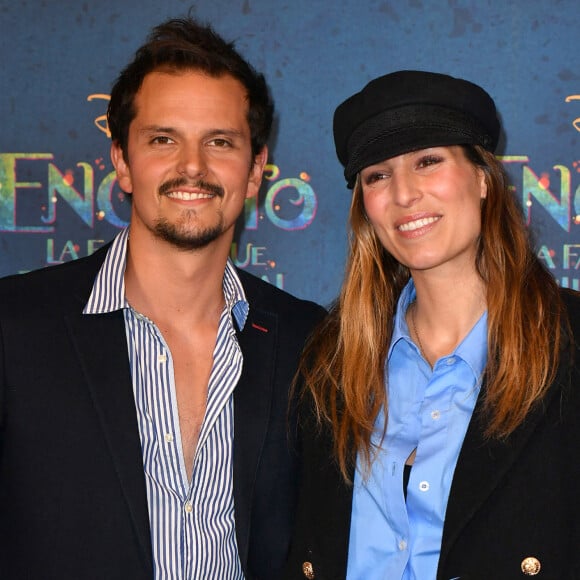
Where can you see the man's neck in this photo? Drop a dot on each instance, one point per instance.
(166, 283)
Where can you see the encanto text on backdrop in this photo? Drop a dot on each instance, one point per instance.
(89, 192)
(59, 199)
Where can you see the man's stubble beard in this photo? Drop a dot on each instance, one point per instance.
(187, 238)
(181, 235)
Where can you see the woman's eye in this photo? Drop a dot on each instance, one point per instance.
(429, 160)
(374, 177)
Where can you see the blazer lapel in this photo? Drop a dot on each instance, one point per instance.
(102, 350)
(252, 400)
(482, 464)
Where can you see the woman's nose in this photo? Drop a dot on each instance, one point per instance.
(405, 188)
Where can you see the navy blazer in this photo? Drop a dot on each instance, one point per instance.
(73, 504)
(510, 500)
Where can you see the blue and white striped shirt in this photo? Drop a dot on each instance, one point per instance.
(192, 523)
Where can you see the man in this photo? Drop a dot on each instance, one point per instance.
(144, 390)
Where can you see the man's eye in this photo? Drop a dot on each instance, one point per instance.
(161, 140)
(220, 143)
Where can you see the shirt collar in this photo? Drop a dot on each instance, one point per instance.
(108, 293)
(400, 329)
(472, 349)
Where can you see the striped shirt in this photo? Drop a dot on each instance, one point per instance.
(192, 523)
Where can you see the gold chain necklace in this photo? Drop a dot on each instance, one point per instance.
(416, 332)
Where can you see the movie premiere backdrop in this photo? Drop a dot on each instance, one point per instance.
(59, 199)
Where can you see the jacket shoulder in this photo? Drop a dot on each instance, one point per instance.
(571, 300)
(264, 295)
(52, 283)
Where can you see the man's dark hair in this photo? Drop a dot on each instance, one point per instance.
(183, 44)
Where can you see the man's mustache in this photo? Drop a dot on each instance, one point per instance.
(205, 186)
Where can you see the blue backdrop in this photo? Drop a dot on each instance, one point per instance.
(58, 197)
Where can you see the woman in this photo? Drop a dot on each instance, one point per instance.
(441, 415)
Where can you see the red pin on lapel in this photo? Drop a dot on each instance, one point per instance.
(260, 328)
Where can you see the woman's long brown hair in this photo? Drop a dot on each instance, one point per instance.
(344, 361)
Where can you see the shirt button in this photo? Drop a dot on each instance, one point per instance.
(424, 486)
(435, 415)
(162, 358)
(402, 545)
(169, 437)
(450, 361)
(188, 507)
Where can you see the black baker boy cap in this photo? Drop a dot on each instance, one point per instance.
(409, 110)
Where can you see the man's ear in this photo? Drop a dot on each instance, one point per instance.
(121, 167)
(256, 172)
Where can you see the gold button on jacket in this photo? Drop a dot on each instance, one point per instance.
(308, 570)
(531, 566)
